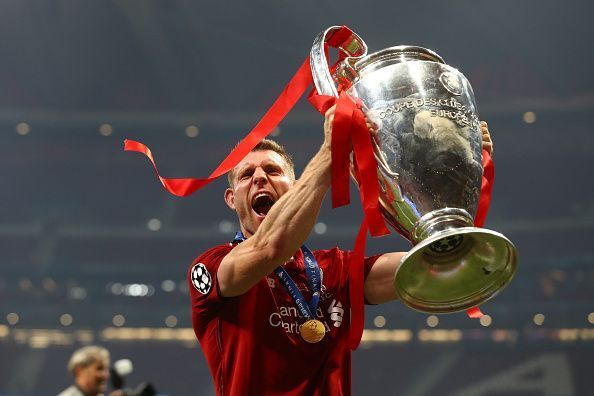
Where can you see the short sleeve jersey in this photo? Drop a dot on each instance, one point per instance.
(252, 342)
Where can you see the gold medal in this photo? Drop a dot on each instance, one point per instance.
(312, 331)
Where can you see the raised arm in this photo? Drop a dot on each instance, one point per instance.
(285, 227)
(486, 137)
(379, 284)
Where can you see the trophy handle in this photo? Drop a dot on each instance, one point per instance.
(341, 37)
(353, 46)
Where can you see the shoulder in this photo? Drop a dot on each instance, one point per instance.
(334, 266)
(213, 254)
(71, 391)
(216, 250)
(203, 279)
(208, 262)
(334, 253)
(334, 258)
(337, 256)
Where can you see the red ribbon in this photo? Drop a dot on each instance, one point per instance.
(284, 103)
(341, 149)
(349, 131)
(483, 208)
(356, 288)
(279, 109)
(474, 313)
(369, 184)
(486, 187)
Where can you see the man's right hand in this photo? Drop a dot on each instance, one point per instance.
(371, 125)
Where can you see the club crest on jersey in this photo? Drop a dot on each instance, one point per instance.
(201, 278)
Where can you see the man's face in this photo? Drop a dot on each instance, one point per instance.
(92, 379)
(259, 180)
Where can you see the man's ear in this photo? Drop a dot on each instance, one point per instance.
(230, 198)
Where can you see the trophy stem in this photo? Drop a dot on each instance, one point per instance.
(440, 220)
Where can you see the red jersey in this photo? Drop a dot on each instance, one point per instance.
(252, 342)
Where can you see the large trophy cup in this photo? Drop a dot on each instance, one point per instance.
(428, 151)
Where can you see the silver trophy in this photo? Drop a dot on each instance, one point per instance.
(429, 154)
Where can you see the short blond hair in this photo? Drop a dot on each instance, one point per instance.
(86, 356)
(269, 144)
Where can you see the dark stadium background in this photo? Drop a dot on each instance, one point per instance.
(93, 250)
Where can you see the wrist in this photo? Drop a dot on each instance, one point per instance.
(325, 148)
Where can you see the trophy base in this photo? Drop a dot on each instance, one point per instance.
(455, 269)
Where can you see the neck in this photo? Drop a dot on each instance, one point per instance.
(84, 391)
(245, 232)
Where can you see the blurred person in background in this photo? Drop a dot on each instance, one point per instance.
(90, 368)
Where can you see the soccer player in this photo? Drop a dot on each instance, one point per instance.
(271, 316)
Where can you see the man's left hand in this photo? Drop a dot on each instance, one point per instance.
(487, 142)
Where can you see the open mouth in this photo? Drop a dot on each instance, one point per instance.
(261, 203)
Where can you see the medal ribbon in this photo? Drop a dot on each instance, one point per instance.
(312, 272)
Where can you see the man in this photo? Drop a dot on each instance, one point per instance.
(251, 297)
(90, 368)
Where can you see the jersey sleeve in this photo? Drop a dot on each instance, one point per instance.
(368, 263)
(202, 280)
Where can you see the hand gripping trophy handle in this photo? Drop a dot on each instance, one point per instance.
(428, 150)
(354, 48)
(349, 43)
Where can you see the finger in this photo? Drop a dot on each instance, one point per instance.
(488, 147)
